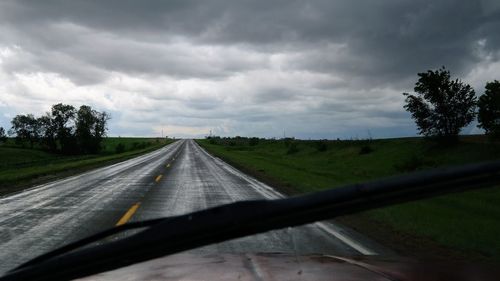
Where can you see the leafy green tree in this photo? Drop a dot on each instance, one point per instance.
(91, 127)
(441, 107)
(101, 125)
(85, 123)
(63, 118)
(3, 137)
(48, 132)
(26, 128)
(63, 128)
(489, 109)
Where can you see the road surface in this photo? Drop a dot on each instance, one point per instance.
(176, 179)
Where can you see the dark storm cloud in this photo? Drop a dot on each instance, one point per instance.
(249, 61)
(383, 40)
(79, 53)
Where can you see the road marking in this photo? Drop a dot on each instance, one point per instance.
(128, 214)
(158, 178)
(270, 193)
(168, 165)
(344, 238)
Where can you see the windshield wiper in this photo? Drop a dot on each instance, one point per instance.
(91, 239)
(175, 234)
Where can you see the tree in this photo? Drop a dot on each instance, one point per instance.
(48, 132)
(90, 129)
(101, 126)
(63, 128)
(441, 107)
(85, 123)
(489, 109)
(26, 128)
(3, 137)
(63, 118)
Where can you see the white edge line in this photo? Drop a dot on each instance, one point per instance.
(353, 244)
(321, 225)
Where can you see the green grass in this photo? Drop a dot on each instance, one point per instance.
(109, 144)
(20, 167)
(468, 221)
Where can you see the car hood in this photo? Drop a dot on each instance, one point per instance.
(278, 266)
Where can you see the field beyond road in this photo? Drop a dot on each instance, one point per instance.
(21, 167)
(458, 226)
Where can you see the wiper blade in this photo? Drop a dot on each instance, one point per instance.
(176, 234)
(91, 239)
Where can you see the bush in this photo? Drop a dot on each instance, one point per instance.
(253, 141)
(3, 137)
(365, 149)
(140, 145)
(120, 148)
(214, 139)
(415, 162)
(288, 141)
(321, 146)
(292, 148)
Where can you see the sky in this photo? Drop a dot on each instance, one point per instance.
(305, 69)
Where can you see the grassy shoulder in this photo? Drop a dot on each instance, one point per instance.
(21, 167)
(455, 225)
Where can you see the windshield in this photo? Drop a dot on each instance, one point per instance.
(120, 112)
(195, 180)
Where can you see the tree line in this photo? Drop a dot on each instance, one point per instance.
(442, 107)
(64, 129)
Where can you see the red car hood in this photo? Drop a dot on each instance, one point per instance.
(277, 266)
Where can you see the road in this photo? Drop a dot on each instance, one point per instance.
(176, 179)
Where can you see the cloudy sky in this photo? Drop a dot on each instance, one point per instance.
(316, 69)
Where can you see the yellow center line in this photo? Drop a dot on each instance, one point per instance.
(128, 214)
(158, 178)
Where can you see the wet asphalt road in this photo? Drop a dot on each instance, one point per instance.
(176, 179)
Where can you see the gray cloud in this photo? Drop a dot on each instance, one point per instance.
(242, 66)
(389, 39)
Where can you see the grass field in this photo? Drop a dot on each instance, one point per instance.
(467, 222)
(21, 167)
